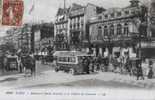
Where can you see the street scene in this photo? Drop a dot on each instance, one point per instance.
(86, 45)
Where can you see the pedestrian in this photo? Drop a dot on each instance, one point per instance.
(33, 72)
(150, 73)
(115, 63)
(139, 72)
(19, 62)
(86, 65)
(91, 64)
(2, 65)
(99, 61)
(29, 64)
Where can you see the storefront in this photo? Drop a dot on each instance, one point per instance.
(148, 50)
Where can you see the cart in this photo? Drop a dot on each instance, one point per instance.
(134, 62)
(12, 63)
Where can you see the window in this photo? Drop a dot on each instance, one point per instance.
(112, 15)
(78, 25)
(133, 12)
(105, 31)
(72, 59)
(119, 14)
(71, 26)
(126, 29)
(106, 16)
(100, 17)
(119, 29)
(99, 36)
(112, 30)
(127, 12)
(74, 26)
(78, 19)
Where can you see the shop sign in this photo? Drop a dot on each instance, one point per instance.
(148, 44)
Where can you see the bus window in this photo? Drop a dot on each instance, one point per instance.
(65, 59)
(72, 59)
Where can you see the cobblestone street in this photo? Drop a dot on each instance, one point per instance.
(46, 77)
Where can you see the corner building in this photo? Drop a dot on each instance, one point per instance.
(72, 23)
(112, 30)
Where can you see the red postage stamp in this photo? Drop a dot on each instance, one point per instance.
(12, 12)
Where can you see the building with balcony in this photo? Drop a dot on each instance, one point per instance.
(111, 31)
(61, 26)
(72, 23)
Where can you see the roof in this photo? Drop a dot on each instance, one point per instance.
(62, 11)
(133, 3)
(112, 10)
(70, 53)
(76, 6)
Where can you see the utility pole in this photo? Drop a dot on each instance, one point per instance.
(64, 4)
(148, 20)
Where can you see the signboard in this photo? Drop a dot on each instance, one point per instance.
(148, 45)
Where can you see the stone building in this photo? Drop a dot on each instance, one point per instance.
(78, 19)
(61, 26)
(72, 23)
(112, 30)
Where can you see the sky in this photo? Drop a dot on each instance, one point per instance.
(45, 10)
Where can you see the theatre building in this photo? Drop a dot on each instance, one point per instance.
(111, 31)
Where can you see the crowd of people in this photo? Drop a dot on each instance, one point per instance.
(133, 67)
(22, 62)
(123, 65)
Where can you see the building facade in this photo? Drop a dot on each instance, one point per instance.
(61, 31)
(112, 30)
(73, 25)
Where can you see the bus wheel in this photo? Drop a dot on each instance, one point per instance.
(56, 69)
(72, 71)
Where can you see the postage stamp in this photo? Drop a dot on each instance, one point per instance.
(12, 12)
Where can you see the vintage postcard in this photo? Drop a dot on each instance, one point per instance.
(81, 49)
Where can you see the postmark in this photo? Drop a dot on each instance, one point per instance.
(12, 12)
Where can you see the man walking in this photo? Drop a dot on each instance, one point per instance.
(139, 72)
(29, 64)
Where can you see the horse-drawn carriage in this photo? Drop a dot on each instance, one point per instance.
(134, 63)
(11, 63)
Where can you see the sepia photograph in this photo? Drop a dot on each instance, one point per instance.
(82, 44)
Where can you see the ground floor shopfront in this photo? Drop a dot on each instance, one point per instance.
(148, 49)
(117, 48)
